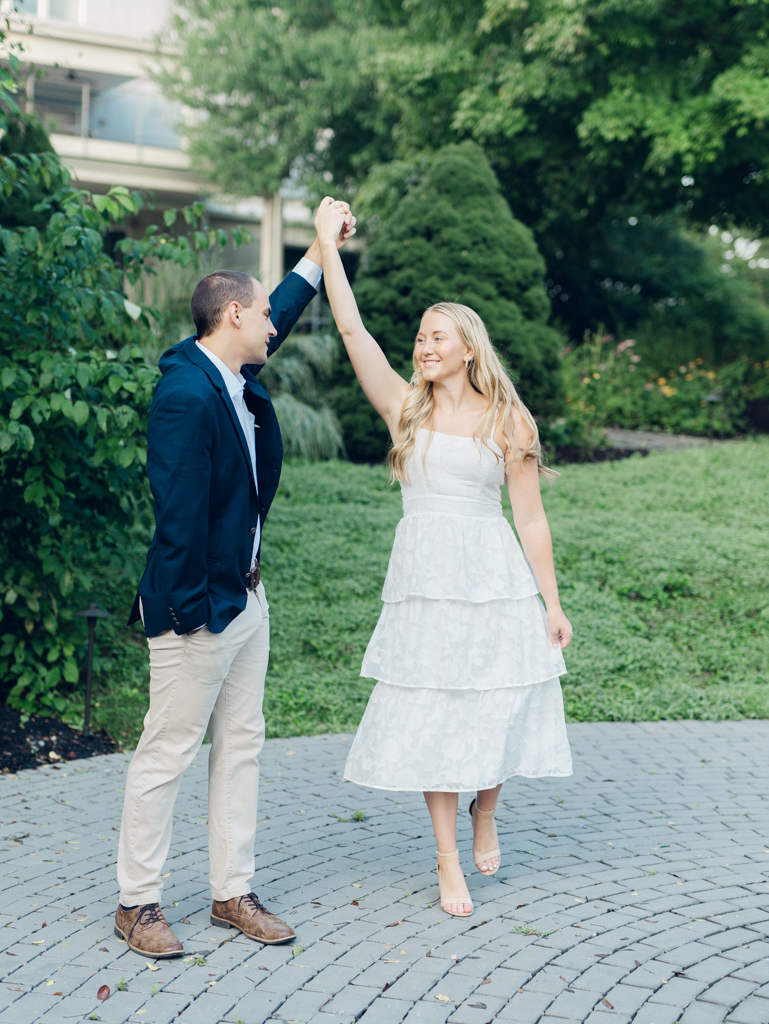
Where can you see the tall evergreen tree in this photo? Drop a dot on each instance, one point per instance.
(453, 237)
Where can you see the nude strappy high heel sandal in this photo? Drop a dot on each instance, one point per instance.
(481, 857)
(446, 901)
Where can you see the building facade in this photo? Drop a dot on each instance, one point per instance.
(89, 80)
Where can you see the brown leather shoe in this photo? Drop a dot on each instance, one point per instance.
(146, 931)
(254, 920)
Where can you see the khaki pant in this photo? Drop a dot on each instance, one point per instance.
(210, 682)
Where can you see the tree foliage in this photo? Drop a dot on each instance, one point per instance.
(590, 112)
(75, 391)
(275, 87)
(451, 237)
(680, 294)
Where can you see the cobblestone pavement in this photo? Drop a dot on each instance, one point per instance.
(637, 890)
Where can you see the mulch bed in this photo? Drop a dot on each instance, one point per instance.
(44, 741)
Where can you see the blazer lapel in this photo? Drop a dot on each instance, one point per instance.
(257, 399)
(194, 354)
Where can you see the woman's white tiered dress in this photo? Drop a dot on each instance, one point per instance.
(468, 691)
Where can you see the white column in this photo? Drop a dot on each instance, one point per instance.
(271, 243)
(85, 110)
(138, 127)
(30, 106)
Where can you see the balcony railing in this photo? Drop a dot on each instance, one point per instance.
(105, 107)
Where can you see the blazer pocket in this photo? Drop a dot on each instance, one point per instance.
(213, 565)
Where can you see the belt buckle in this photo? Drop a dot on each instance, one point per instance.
(254, 576)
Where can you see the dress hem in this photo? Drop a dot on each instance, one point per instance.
(463, 789)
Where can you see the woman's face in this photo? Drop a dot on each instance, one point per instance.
(439, 348)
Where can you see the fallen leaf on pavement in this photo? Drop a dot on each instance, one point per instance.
(444, 999)
(607, 1003)
(151, 967)
(393, 924)
(103, 993)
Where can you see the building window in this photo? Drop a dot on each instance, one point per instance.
(57, 10)
(64, 10)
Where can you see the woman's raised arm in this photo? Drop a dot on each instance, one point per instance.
(384, 388)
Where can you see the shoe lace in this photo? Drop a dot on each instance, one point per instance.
(150, 914)
(253, 902)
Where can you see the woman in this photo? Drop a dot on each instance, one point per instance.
(466, 661)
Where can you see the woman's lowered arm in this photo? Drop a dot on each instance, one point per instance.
(534, 531)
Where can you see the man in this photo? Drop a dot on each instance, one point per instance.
(214, 460)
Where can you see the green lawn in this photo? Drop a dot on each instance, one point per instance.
(664, 569)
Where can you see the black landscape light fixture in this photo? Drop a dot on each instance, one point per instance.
(92, 613)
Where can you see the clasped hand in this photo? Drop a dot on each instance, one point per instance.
(334, 221)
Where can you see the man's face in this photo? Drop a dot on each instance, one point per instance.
(256, 327)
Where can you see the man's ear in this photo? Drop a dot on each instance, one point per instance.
(233, 312)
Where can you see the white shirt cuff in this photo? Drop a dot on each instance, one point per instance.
(310, 271)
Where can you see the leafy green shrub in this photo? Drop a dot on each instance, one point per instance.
(680, 294)
(452, 236)
(607, 385)
(75, 390)
(296, 377)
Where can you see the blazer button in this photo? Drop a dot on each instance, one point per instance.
(252, 530)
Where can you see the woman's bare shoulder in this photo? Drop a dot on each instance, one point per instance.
(512, 423)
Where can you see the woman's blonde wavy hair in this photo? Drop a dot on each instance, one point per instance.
(488, 376)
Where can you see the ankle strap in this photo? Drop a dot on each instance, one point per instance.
(454, 853)
(479, 810)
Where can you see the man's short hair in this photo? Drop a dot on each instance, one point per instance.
(213, 295)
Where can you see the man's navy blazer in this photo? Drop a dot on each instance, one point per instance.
(206, 505)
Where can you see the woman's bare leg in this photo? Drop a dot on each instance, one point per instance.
(485, 832)
(443, 812)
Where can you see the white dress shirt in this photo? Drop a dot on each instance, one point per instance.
(310, 271)
(235, 385)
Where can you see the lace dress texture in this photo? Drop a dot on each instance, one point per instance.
(468, 691)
